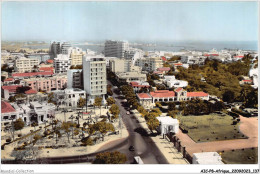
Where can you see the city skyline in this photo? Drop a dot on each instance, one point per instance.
(149, 21)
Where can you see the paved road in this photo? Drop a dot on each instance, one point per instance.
(144, 146)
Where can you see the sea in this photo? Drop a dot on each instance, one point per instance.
(173, 46)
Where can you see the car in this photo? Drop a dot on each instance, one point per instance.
(127, 113)
(131, 148)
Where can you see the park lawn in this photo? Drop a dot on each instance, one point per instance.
(212, 127)
(240, 156)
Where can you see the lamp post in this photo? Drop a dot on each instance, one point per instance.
(64, 111)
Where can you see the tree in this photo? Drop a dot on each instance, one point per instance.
(51, 97)
(110, 101)
(12, 99)
(153, 123)
(114, 109)
(87, 141)
(172, 114)
(36, 138)
(81, 102)
(103, 128)
(3, 78)
(157, 111)
(228, 96)
(66, 127)
(142, 111)
(98, 103)
(18, 124)
(22, 89)
(109, 90)
(110, 158)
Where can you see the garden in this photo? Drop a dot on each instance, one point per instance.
(212, 127)
(240, 156)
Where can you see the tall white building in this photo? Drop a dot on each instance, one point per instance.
(24, 64)
(115, 48)
(94, 77)
(62, 63)
(65, 47)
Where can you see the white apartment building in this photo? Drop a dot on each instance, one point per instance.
(62, 63)
(24, 64)
(115, 48)
(94, 76)
(75, 78)
(119, 65)
(170, 81)
(149, 63)
(76, 55)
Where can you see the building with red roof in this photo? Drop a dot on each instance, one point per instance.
(164, 58)
(197, 95)
(32, 74)
(8, 113)
(145, 100)
(138, 85)
(8, 90)
(164, 69)
(162, 95)
(31, 91)
(46, 69)
(50, 61)
(8, 81)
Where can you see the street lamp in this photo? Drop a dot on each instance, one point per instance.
(64, 111)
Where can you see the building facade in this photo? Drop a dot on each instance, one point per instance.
(119, 65)
(24, 64)
(94, 74)
(62, 63)
(76, 55)
(149, 63)
(47, 84)
(115, 48)
(75, 78)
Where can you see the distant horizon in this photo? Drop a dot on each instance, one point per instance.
(130, 20)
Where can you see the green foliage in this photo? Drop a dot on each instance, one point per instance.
(81, 102)
(157, 111)
(141, 110)
(51, 97)
(174, 58)
(158, 104)
(88, 141)
(152, 123)
(220, 78)
(110, 101)
(110, 158)
(18, 124)
(109, 90)
(114, 109)
(172, 113)
(98, 101)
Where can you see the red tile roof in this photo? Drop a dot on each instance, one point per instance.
(49, 61)
(11, 88)
(238, 56)
(197, 94)
(134, 83)
(144, 95)
(177, 64)
(163, 58)
(46, 69)
(164, 69)
(214, 54)
(6, 107)
(206, 55)
(31, 91)
(162, 93)
(178, 89)
(8, 79)
(247, 80)
(32, 74)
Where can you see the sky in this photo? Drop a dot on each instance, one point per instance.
(133, 21)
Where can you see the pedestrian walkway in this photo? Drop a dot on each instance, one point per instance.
(164, 145)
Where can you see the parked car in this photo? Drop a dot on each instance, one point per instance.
(132, 148)
(127, 113)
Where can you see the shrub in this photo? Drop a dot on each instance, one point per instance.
(8, 140)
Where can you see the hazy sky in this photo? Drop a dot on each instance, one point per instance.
(133, 21)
